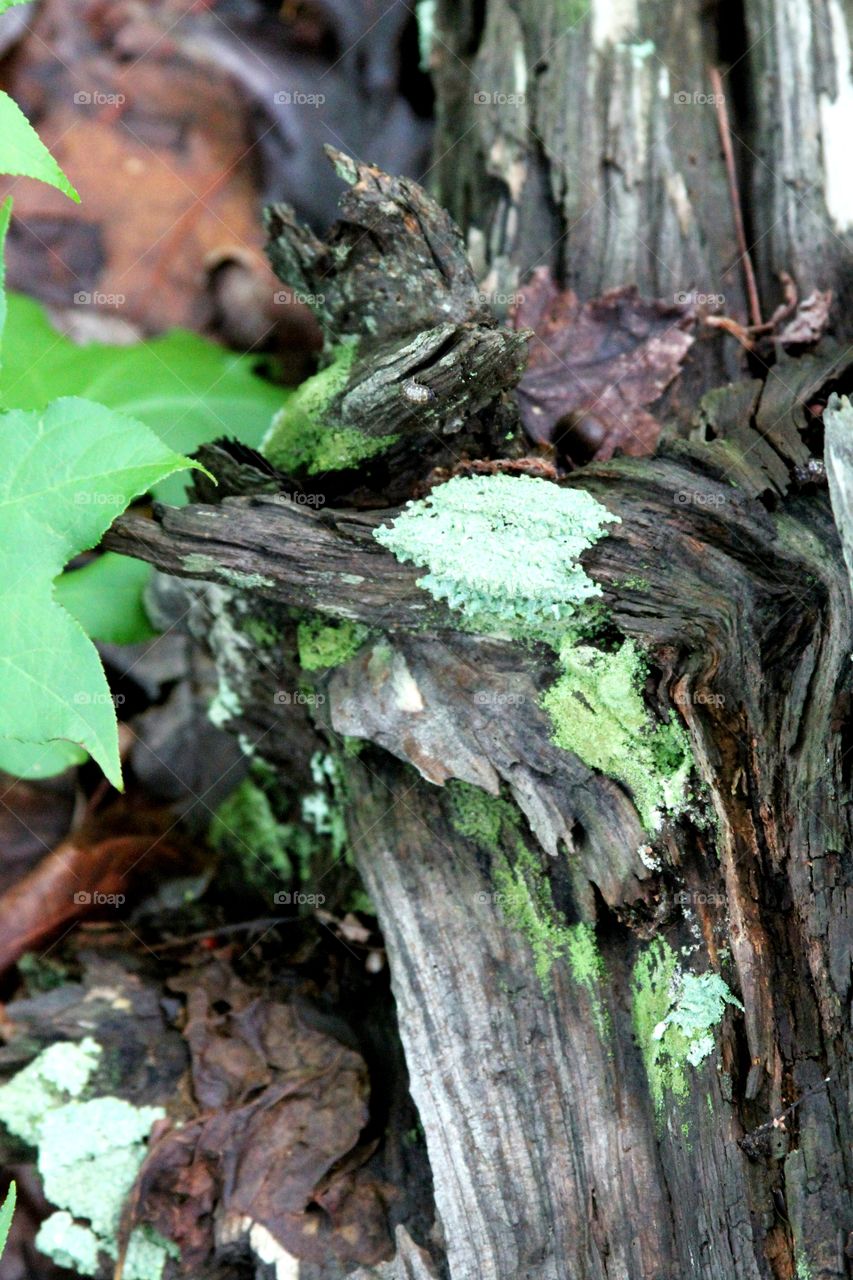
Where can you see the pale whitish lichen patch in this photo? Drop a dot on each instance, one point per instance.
(89, 1153)
(59, 1074)
(675, 1013)
(503, 550)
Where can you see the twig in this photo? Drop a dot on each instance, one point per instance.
(263, 922)
(728, 154)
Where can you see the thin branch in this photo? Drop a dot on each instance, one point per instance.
(728, 154)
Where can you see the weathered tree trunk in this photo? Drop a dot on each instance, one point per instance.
(560, 1149)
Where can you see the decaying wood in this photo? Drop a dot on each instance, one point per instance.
(749, 613)
(549, 1162)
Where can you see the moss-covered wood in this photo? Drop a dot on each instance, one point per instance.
(601, 1016)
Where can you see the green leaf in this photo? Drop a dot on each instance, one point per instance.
(105, 597)
(7, 1209)
(5, 215)
(39, 759)
(65, 474)
(22, 152)
(186, 389)
(10, 4)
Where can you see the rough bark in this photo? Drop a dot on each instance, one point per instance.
(549, 1158)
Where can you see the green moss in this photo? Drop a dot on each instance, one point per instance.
(804, 1271)
(597, 711)
(674, 1015)
(245, 830)
(525, 898)
(523, 892)
(653, 983)
(323, 644)
(585, 960)
(41, 972)
(261, 633)
(302, 439)
(503, 551)
(480, 816)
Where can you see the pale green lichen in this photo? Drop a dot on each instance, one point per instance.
(425, 13)
(503, 551)
(196, 562)
(700, 1002)
(59, 1073)
(597, 711)
(804, 1271)
(89, 1156)
(89, 1153)
(523, 893)
(322, 644)
(301, 439)
(674, 1015)
(69, 1244)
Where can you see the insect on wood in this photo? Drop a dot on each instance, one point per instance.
(417, 393)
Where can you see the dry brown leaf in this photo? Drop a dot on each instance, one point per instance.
(278, 1141)
(90, 873)
(594, 366)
